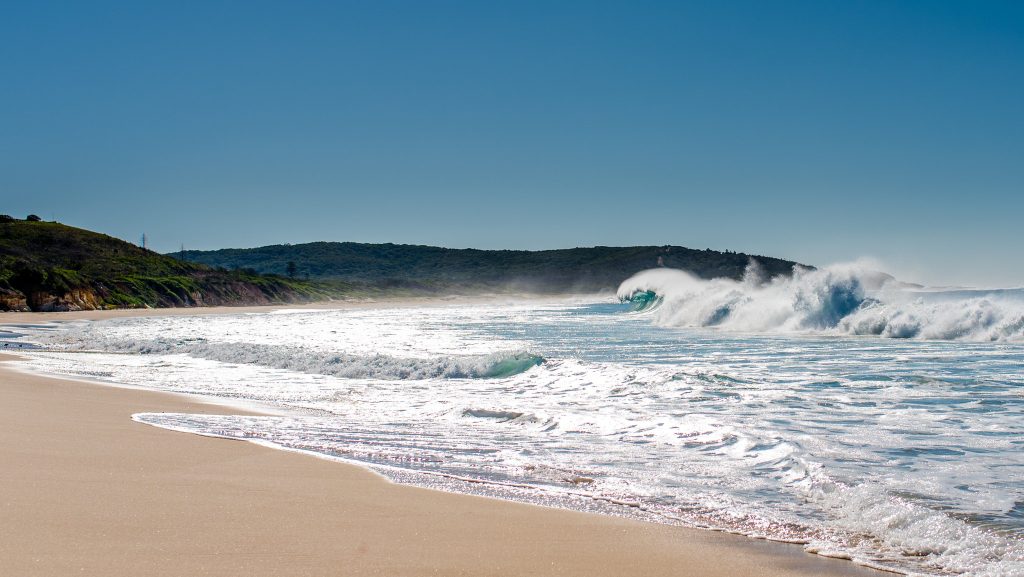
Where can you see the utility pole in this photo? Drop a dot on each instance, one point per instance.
(144, 239)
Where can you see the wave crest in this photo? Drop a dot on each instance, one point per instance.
(342, 365)
(841, 299)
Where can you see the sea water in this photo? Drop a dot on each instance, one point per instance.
(784, 409)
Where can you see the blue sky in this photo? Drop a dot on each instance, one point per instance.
(819, 131)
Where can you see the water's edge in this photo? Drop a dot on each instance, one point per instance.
(511, 492)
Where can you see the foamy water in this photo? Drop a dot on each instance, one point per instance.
(900, 453)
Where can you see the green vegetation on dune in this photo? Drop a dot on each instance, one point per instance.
(414, 268)
(51, 266)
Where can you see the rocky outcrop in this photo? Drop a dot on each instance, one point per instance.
(11, 300)
(73, 300)
(214, 291)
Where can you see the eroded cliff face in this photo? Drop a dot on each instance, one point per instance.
(87, 298)
(13, 301)
(73, 300)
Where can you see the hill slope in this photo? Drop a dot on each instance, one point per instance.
(51, 266)
(432, 268)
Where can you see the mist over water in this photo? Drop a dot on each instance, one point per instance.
(845, 299)
(779, 408)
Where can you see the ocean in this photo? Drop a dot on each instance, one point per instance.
(840, 409)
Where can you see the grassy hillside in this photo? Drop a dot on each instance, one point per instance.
(51, 266)
(433, 268)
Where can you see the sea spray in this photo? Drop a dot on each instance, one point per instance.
(840, 299)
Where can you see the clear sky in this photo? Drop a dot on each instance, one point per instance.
(819, 131)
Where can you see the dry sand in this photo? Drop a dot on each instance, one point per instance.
(84, 490)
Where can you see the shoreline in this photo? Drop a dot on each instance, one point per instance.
(91, 490)
(15, 317)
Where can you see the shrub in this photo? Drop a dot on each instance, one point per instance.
(6, 218)
(33, 218)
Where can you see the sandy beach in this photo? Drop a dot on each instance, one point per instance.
(88, 491)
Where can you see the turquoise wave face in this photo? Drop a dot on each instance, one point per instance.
(512, 366)
(643, 300)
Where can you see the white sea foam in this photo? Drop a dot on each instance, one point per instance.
(908, 529)
(840, 299)
(334, 364)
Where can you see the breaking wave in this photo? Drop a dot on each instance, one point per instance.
(342, 365)
(840, 299)
(644, 300)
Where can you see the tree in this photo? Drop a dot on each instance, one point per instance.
(6, 218)
(291, 269)
(33, 218)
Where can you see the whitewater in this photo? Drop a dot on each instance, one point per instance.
(838, 408)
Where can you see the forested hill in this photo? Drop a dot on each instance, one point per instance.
(432, 268)
(47, 266)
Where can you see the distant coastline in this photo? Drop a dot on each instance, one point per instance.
(431, 269)
(48, 266)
